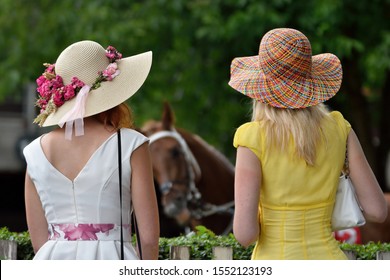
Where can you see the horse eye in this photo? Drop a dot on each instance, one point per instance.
(175, 152)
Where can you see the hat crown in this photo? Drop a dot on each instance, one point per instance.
(285, 53)
(83, 60)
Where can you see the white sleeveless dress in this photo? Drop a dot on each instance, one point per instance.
(84, 214)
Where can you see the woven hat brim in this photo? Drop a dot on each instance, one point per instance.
(133, 73)
(326, 75)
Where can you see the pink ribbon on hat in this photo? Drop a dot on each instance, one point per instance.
(76, 115)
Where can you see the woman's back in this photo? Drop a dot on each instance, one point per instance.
(72, 184)
(70, 157)
(289, 161)
(85, 206)
(297, 199)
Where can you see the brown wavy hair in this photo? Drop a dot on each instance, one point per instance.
(117, 117)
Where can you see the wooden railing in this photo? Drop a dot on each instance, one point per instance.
(8, 251)
(226, 253)
(380, 255)
(183, 253)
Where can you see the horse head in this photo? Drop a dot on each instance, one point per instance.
(174, 166)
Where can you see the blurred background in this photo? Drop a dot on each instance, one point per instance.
(193, 44)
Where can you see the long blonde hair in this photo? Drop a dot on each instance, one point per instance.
(303, 126)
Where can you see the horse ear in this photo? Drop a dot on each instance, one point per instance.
(168, 117)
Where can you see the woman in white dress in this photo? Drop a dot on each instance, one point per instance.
(75, 207)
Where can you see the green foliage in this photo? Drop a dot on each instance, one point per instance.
(193, 44)
(366, 251)
(25, 250)
(201, 244)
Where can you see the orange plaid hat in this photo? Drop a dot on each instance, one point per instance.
(285, 74)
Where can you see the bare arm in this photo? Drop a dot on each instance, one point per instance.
(367, 188)
(246, 195)
(145, 202)
(36, 220)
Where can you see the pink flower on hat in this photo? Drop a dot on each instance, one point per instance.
(58, 98)
(113, 54)
(111, 71)
(41, 103)
(53, 93)
(69, 92)
(76, 83)
(40, 81)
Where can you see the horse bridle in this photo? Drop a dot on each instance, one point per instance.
(193, 196)
(193, 169)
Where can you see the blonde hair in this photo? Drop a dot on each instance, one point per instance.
(303, 126)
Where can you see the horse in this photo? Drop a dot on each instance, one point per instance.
(194, 181)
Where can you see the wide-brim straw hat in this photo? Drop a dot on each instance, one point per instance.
(84, 60)
(285, 74)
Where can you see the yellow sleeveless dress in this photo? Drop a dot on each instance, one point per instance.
(296, 201)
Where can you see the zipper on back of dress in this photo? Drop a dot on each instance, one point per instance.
(74, 202)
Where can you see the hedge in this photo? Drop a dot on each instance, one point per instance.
(200, 242)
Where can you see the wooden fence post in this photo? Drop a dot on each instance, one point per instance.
(350, 254)
(183, 253)
(8, 250)
(179, 253)
(223, 253)
(383, 255)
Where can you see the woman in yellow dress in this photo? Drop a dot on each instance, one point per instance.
(289, 157)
